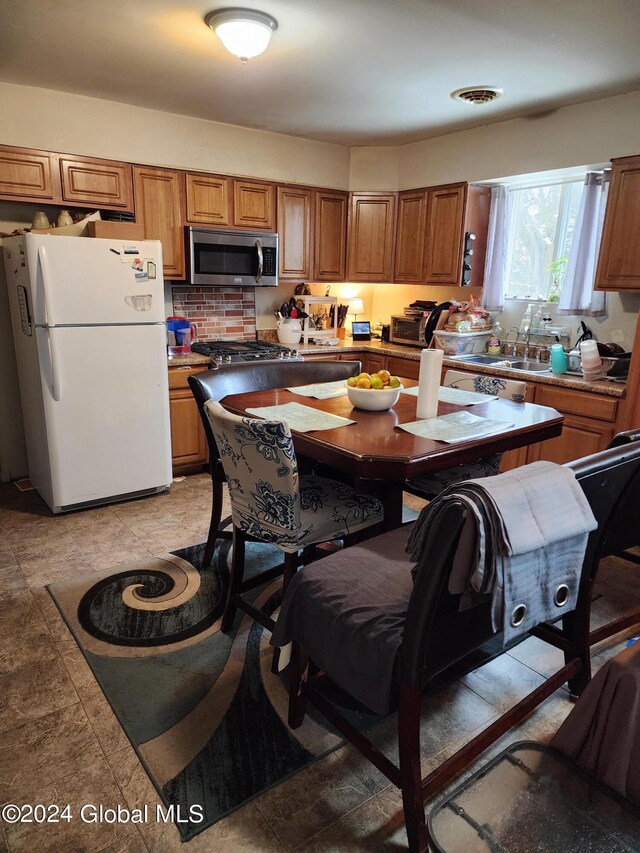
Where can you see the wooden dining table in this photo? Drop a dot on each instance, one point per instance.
(379, 458)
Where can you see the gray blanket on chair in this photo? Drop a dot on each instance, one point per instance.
(525, 541)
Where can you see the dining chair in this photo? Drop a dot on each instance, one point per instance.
(271, 502)
(622, 534)
(241, 378)
(430, 485)
(366, 603)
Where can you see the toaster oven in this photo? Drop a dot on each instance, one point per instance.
(408, 329)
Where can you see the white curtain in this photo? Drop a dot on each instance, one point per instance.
(495, 268)
(578, 296)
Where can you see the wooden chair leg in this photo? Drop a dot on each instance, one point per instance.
(576, 627)
(235, 581)
(297, 670)
(291, 563)
(214, 524)
(410, 774)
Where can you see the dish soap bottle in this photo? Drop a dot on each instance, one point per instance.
(536, 322)
(525, 323)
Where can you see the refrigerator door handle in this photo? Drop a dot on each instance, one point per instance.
(50, 346)
(46, 279)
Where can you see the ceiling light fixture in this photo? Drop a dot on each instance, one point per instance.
(477, 95)
(244, 32)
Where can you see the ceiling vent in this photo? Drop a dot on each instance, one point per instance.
(477, 95)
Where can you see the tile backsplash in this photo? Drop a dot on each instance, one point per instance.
(224, 313)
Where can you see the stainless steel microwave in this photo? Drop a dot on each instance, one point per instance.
(232, 258)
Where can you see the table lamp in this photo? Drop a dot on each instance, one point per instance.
(356, 306)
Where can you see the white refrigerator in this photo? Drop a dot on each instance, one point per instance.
(90, 340)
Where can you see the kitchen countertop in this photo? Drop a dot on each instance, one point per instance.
(610, 389)
(190, 359)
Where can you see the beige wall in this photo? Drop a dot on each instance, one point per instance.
(58, 121)
(374, 169)
(583, 134)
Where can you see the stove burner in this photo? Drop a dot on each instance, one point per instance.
(235, 351)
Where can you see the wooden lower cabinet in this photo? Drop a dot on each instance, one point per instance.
(589, 424)
(189, 451)
(407, 367)
(371, 363)
(580, 437)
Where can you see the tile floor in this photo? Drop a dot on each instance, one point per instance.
(60, 743)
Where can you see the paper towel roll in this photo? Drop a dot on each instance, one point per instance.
(429, 383)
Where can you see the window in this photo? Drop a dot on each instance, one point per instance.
(540, 232)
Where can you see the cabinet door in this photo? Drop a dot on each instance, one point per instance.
(407, 367)
(410, 236)
(29, 175)
(254, 205)
(588, 424)
(371, 228)
(580, 437)
(208, 199)
(372, 363)
(445, 223)
(159, 210)
(294, 229)
(188, 441)
(189, 450)
(330, 236)
(98, 183)
(619, 260)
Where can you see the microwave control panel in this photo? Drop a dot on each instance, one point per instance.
(269, 262)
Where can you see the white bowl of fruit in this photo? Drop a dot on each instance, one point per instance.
(374, 392)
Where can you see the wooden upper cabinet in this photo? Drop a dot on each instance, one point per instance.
(371, 231)
(410, 236)
(159, 209)
(99, 183)
(330, 235)
(28, 174)
(445, 235)
(208, 199)
(295, 206)
(254, 205)
(619, 260)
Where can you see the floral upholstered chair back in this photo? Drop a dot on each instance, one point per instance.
(262, 474)
(510, 389)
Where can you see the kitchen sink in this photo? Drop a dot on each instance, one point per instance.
(530, 365)
(480, 359)
(527, 364)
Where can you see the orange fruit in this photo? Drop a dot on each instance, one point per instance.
(376, 382)
(385, 376)
(363, 382)
(351, 381)
(364, 376)
(394, 382)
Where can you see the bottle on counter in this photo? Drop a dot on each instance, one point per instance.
(536, 321)
(525, 323)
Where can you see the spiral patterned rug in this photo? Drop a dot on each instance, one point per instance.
(187, 695)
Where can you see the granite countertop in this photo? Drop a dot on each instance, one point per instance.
(190, 359)
(610, 389)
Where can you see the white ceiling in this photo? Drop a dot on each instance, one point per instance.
(355, 72)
